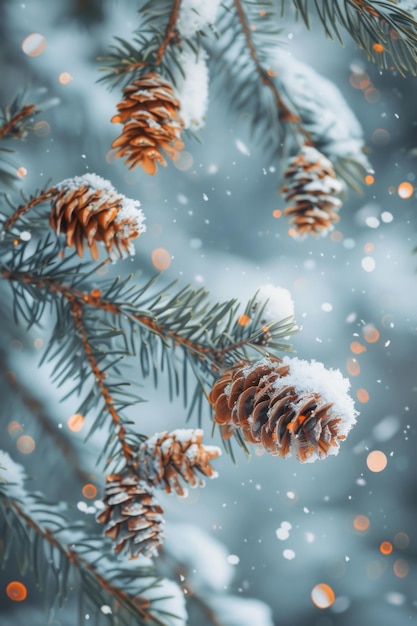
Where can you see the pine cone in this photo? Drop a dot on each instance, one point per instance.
(166, 457)
(132, 515)
(312, 185)
(88, 209)
(151, 123)
(284, 406)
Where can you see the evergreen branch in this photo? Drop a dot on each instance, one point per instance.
(215, 352)
(43, 196)
(170, 32)
(285, 114)
(14, 124)
(99, 376)
(383, 29)
(149, 48)
(39, 413)
(23, 523)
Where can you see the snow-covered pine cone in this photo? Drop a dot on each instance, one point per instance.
(166, 457)
(151, 122)
(132, 515)
(311, 188)
(286, 406)
(88, 209)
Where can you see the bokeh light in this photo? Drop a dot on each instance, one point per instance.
(76, 422)
(184, 160)
(401, 540)
(89, 491)
(243, 320)
(65, 78)
(376, 461)
(322, 596)
(34, 44)
(362, 395)
(42, 128)
(357, 347)
(401, 568)
(277, 213)
(405, 190)
(16, 591)
(381, 137)
(370, 333)
(14, 428)
(25, 444)
(21, 172)
(361, 523)
(353, 367)
(385, 547)
(161, 258)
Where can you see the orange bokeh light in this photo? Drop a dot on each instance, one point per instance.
(65, 78)
(34, 44)
(353, 367)
(76, 422)
(276, 213)
(243, 320)
(362, 395)
(89, 491)
(369, 247)
(357, 347)
(359, 80)
(322, 596)
(16, 591)
(376, 461)
(378, 47)
(21, 172)
(25, 444)
(42, 128)
(161, 258)
(370, 333)
(14, 428)
(369, 179)
(361, 523)
(405, 190)
(385, 547)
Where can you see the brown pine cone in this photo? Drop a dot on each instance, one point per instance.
(132, 515)
(151, 122)
(311, 188)
(166, 457)
(88, 209)
(285, 406)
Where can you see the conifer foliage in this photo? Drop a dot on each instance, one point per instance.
(227, 360)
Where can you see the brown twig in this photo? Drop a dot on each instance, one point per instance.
(81, 298)
(77, 311)
(38, 411)
(12, 124)
(170, 32)
(140, 603)
(285, 113)
(43, 196)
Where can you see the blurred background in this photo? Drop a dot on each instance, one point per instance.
(348, 522)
